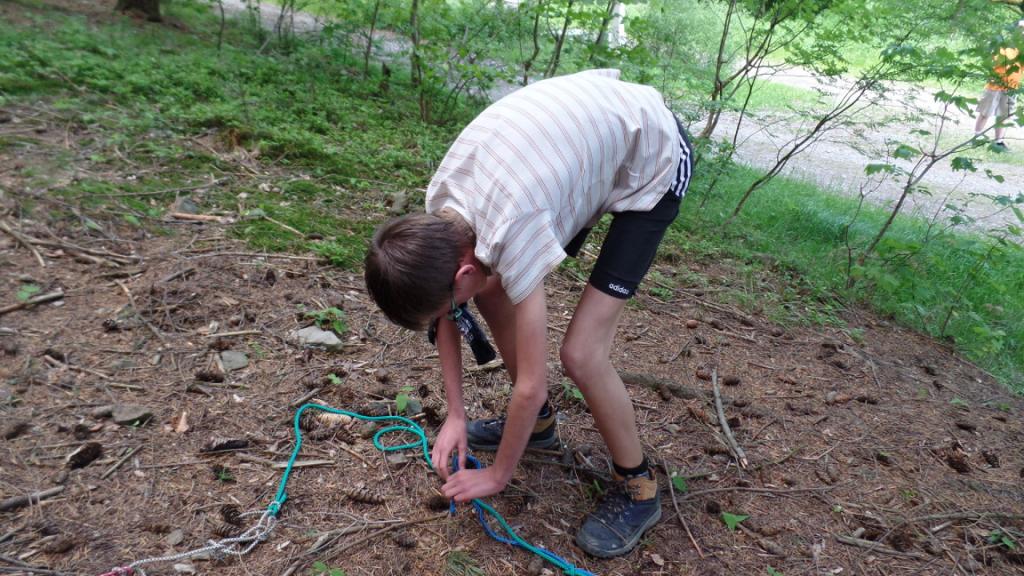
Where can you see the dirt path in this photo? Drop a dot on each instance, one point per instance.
(837, 161)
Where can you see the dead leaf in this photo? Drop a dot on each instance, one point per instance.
(182, 426)
(658, 560)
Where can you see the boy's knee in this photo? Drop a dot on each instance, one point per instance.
(578, 362)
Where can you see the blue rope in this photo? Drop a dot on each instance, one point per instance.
(483, 510)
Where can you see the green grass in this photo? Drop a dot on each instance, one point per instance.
(977, 283)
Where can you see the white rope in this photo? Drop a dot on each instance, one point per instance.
(235, 546)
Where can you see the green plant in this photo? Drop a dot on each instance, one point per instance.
(402, 398)
(679, 482)
(571, 391)
(321, 568)
(733, 520)
(334, 379)
(773, 572)
(959, 403)
(1002, 538)
(26, 291)
(460, 563)
(331, 318)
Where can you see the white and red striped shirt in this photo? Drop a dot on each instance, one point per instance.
(542, 163)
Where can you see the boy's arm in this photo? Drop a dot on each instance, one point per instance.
(452, 437)
(528, 395)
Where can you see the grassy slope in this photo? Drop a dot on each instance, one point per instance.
(333, 147)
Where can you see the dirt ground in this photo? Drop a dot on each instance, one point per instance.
(892, 439)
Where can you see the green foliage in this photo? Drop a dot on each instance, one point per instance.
(572, 392)
(402, 398)
(679, 483)
(329, 318)
(733, 520)
(321, 568)
(460, 563)
(26, 291)
(334, 379)
(1002, 538)
(773, 572)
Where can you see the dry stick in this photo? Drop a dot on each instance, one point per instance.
(256, 255)
(781, 491)
(17, 566)
(16, 502)
(355, 454)
(120, 463)
(741, 456)
(135, 308)
(198, 217)
(872, 546)
(58, 364)
(679, 514)
(285, 226)
(304, 398)
(235, 333)
(42, 298)
(25, 242)
(294, 566)
(177, 275)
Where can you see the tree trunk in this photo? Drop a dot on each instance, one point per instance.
(557, 57)
(150, 8)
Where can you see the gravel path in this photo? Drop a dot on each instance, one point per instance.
(837, 161)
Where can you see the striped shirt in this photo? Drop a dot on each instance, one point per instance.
(546, 161)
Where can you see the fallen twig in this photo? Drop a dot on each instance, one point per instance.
(741, 456)
(679, 514)
(25, 241)
(178, 274)
(58, 364)
(781, 491)
(42, 298)
(198, 217)
(872, 546)
(120, 462)
(235, 333)
(17, 566)
(316, 550)
(16, 502)
(304, 398)
(135, 309)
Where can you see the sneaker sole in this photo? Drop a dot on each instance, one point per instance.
(626, 546)
(542, 445)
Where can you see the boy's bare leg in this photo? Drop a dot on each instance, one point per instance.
(585, 356)
(500, 315)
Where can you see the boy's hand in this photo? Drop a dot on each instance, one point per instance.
(466, 485)
(451, 438)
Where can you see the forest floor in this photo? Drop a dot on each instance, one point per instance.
(152, 399)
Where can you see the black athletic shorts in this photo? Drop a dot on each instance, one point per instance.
(633, 237)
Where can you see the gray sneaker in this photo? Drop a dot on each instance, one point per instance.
(628, 510)
(485, 435)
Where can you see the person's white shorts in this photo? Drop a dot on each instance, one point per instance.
(996, 103)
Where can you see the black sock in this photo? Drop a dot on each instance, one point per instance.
(640, 470)
(545, 410)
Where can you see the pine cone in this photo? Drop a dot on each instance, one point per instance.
(364, 495)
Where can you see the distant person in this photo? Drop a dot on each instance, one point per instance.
(999, 99)
(518, 192)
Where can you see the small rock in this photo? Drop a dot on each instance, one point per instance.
(692, 324)
(313, 337)
(233, 360)
(413, 407)
(175, 537)
(186, 205)
(131, 414)
(776, 332)
(400, 458)
(367, 430)
(185, 568)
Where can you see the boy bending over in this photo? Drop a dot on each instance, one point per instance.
(517, 192)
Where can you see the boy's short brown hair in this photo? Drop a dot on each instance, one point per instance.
(411, 266)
